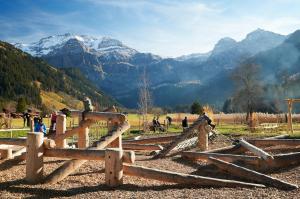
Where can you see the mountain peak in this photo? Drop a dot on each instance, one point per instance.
(52, 43)
(224, 44)
(261, 34)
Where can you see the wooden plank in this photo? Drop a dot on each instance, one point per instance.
(13, 141)
(257, 151)
(236, 149)
(251, 175)
(85, 154)
(142, 147)
(227, 157)
(285, 160)
(180, 178)
(272, 142)
(155, 140)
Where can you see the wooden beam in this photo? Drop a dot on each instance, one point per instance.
(236, 149)
(34, 157)
(105, 116)
(180, 178)
(113, 167)
(142, 147)
(155, 140)
(13, 141)
(202, 138)
(83, 138)
(272, 142)
(70, 166)
(61, 129)
(285, 160)
(257, 151)
(251, 175)
(226, 157)
(278, 137)
(85, 154)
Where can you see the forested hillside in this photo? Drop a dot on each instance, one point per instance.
(22, 75)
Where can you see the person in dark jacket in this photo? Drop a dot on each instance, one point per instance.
(184, 123)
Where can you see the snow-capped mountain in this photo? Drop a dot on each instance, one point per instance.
(98, 45)
(117, 68)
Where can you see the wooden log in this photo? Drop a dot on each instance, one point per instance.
(60, 129)
(6, 153)
(13, 141)
(251, 175)
(155, 140)
(202, 138)
(236, 149)
(278, 137)
(86, 154)
(34, 157)
(142, 147)
(49, 144)
(257, 151)
(117, 143)
(226, 157)
(71, 165)
(285, 160)
(180, 178)
(105, 116)
(113, 167)
(83, 138)
(20, 154)
(272, 142)
(75, 130)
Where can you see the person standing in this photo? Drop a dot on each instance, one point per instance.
(185, 123)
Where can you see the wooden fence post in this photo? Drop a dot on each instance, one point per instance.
(113, 167)
(202, 138)
(290, 121)
(61, 123)
(34, 157)
(83, 138)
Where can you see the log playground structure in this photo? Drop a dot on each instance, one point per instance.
(244, 160)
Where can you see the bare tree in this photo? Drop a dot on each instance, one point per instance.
(144, 100)
(249, 90)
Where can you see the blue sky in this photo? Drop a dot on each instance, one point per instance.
(165, 27)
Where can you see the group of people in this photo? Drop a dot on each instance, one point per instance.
(156, 125)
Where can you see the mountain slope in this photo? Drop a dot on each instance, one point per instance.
(23, 75)
(116, 68)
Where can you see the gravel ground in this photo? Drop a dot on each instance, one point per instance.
(88, 182)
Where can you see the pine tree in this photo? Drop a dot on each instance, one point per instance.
(21, 105)
(196, 108)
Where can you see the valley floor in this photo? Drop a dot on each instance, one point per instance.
(88, 182)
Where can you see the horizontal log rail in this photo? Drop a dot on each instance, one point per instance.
(155, 140)
(13, 141)
(180, 178)
(142, 147)
(272, 142)
(227, 157)
(86, 154)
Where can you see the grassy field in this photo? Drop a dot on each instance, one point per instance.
(233, 130)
